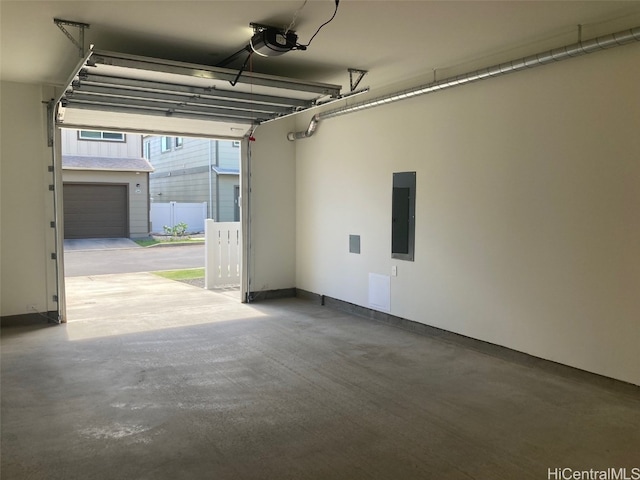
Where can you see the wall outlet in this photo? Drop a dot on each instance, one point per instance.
(394, 271)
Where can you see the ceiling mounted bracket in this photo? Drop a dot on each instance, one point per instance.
(360, 75)
(81, 26)
(580, 33)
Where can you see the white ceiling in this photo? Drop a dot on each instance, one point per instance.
(394, 40)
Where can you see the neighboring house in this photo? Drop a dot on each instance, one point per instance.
(106, 185)
(196, 170)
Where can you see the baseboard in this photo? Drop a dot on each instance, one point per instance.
(271, 294)
(480, 346)
(34, 318)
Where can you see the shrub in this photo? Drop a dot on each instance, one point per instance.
(177, 230)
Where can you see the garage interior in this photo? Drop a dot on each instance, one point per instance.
(502, 345)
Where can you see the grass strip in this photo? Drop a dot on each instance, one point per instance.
(187, 274)
(146, 242)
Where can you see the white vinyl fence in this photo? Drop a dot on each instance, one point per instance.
(173, 213)
(222, 253)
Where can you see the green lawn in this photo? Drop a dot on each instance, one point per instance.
(147, 242)
(187, 274)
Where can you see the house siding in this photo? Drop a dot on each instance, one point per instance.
(227, 204)
(228, 155)
(181, 187)
(72, 145)
(183, 174)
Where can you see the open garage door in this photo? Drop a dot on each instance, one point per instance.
(126, 93)
(114, 91)
(95, 211)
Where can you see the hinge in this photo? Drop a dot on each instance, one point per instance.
(54, 298)
(52, 224)
(52, 188)
(50, 168)
(54, 256)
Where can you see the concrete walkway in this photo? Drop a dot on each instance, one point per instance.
(83, 244)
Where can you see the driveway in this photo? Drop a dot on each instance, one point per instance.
(78, 244)
(115, 283)
(130, 258)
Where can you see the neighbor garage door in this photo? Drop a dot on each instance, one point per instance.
(95, 211)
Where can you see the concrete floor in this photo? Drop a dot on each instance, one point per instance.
(208, 388)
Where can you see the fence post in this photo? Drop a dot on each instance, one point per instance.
(172, 214)
(211, 246)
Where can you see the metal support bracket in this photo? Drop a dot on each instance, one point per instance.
(50, 122)
(81, 26)
(360, 75)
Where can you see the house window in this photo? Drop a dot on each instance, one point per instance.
(103, 136)
(165, 144)
(147, 150)
(179, 142)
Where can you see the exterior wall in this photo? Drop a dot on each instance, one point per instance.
(72, 145)
(27, 274)
(527, 225)
(182, 186)
(138, 194)
(226, 207)
(228, 154)
(183, 173)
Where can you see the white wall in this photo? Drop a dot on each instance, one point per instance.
(527, 216)
(273, 211)
(27, 240)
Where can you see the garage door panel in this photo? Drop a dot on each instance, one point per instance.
(95, 211)
(123, 92)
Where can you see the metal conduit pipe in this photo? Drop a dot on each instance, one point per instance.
(311, 129)
(555, 55)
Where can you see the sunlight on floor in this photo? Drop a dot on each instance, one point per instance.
(123, 304)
